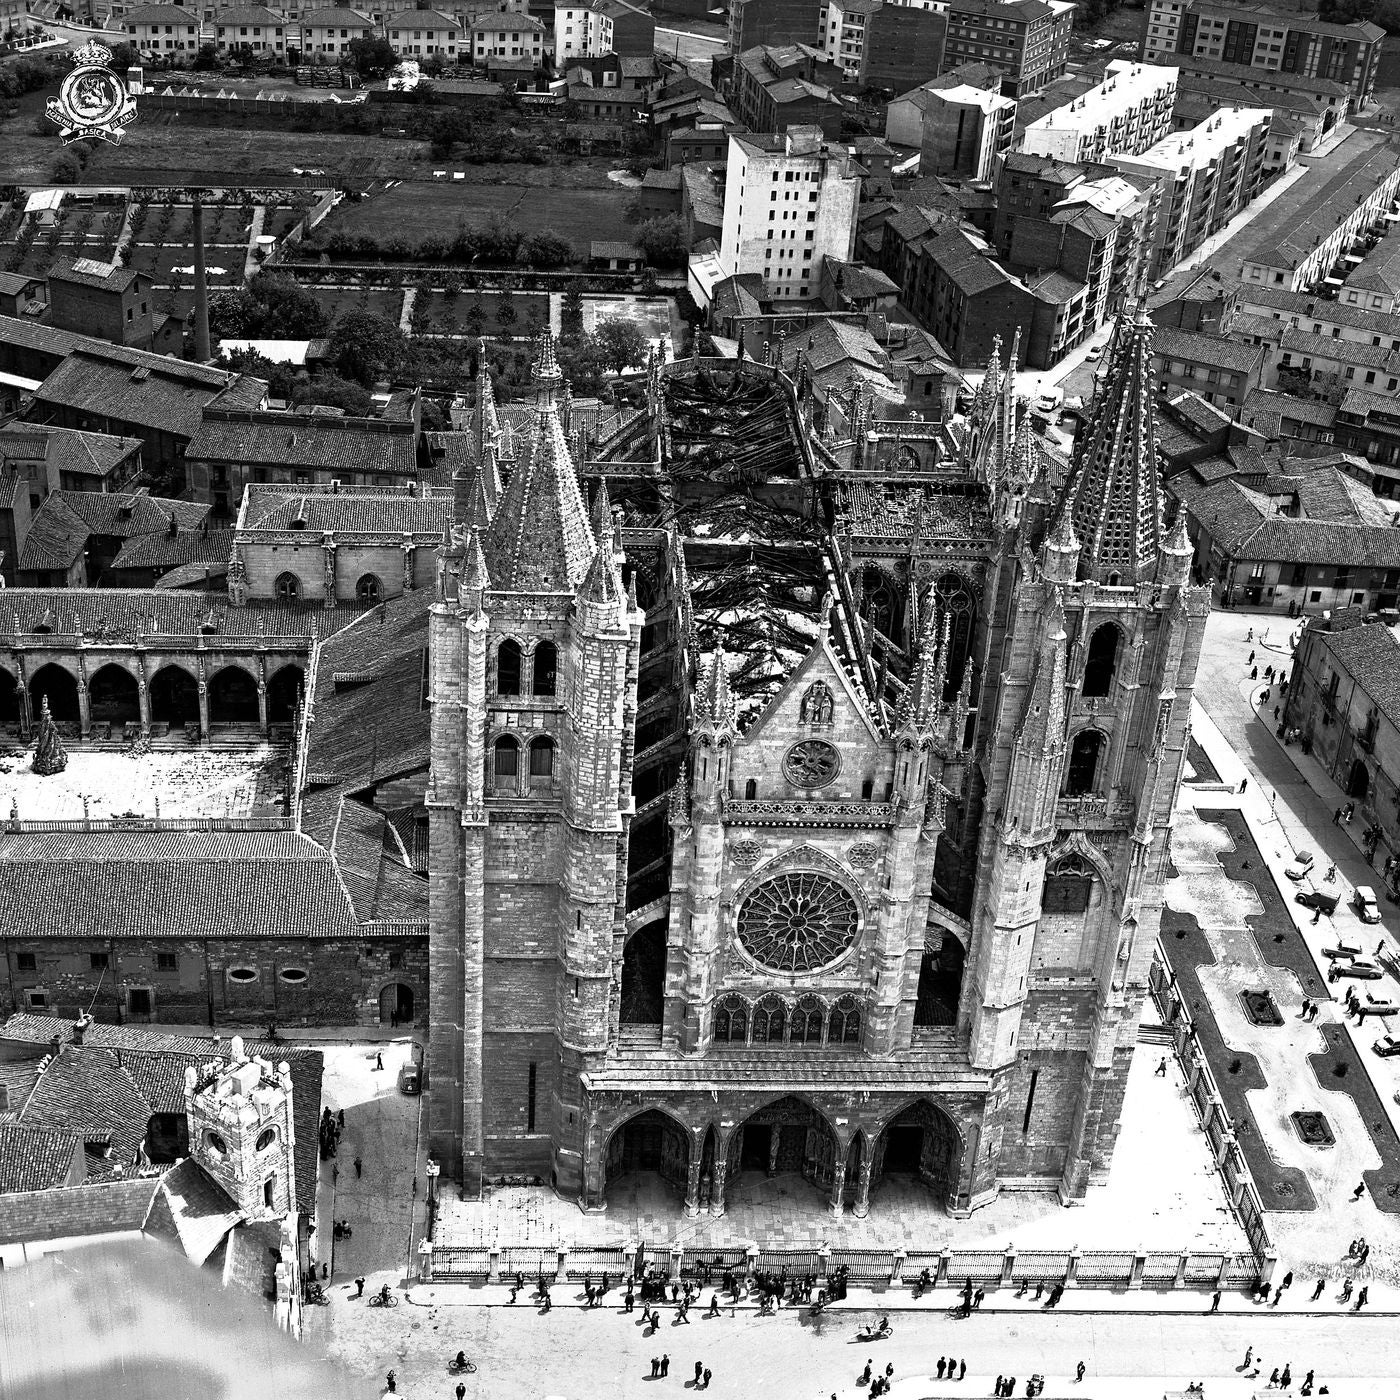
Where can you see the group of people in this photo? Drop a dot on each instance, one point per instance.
(331, 1127)
(878, 1383)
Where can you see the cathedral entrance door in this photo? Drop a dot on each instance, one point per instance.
(757, 1140)
(650, 1142)
(921, 1142)
(396, 1005)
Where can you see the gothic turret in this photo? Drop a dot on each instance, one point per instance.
(485, 421)
(1038, 752)
(1059, 555)
(540, 540)
(1114, 492)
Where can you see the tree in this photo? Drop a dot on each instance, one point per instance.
(448, 128)
(273, 306)
(365, 347)
(334, 392)
(545, 249)
(621, 343)
(475, 317)
(372, 57)
(571, 311)
(506, 313)
(582, 363)
(663, 240)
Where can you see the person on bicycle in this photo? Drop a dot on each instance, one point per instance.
(461, 1362)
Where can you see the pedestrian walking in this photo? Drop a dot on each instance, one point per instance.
(1273, 1378)
(1278, 1293)
(1364, 1253)
(978, 1297)
(340, 1119)
(864, 1377)
(461, 1390)
(1244, 783)
(1317, 916)
(962, 1368)
(655, 1367)
(996, 1389)
(699, 1371)
(1161, 1070)
(1254, 674)
(379, 1059)
(1362, 1298)
(1317, 1291)
(359, 1168)
(1345, 1295)
(1248, 1357)
(1359, 1192)
(714, 1305)
(1286, 1379)
(548, 1301)
(942, 1366)
(391, 1383)
(1250, 662)
(1337, 817)
(1079, 1372)
(705, 1378)
(359, 1288)
(1215, 1301)
(628, 1302)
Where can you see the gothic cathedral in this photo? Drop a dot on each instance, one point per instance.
(800, 785)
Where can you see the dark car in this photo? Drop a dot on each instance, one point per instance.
(411, 1078)
(1318, 899)
(1362, 968)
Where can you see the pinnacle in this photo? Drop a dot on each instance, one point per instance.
(546, 367)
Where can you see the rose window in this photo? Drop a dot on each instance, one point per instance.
(812, 763)
(798, 922)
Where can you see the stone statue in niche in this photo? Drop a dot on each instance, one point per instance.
(818, 704)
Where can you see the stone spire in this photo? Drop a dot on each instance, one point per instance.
(540, 540)
(1038, 753)
(920, 703)
(1114, 493)
(603, 582)
(714, 700)
(487, 421)
(49, 754)
(1008, 398)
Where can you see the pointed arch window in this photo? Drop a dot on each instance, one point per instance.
(1085, 757)
(843, 1027)
(1069, 883)
(769, 1022)
(731, 1026)
(288, 587)
(808, 1018)
(546, 662)
(369, 589)
(1101, 662)
(508, 668)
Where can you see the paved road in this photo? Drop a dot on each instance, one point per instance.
(603, 1355)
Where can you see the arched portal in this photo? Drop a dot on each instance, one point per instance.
(60, 689)
(651, 1142)
(233, 698)
(396, 1005)
(114, 697)
(1101, 661)
(788, 1136)
(284, 694)
(923, 1144)
(9, 697)
(174, 697)
(878, 604)
(940, 985)
(644, 975)
(1358, 780)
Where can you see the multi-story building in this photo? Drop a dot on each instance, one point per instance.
(774, 88)
(249, 29)
(98, 298)
(1296, 128)
(885, 44)
(332, 31)
(170, 31)
(507, 36)
(1223, 372)
(1258, 36)
(776, 947)
(1124, 115)
(1373, 277)
(1026, 41)
(959, 131)
(1208, 175)
(600, 27)
(423, 33)
(1304, 235)
(789, 203)
(754, 23)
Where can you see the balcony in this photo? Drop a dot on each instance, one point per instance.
(804, 811)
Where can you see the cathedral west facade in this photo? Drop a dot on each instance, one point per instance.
(799, 788)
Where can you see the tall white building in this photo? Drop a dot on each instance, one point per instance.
(1127, 113)
(789, 202)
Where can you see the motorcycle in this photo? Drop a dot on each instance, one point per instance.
(460, 1366)
(874, 1334)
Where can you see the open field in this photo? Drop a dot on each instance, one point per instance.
(417, 210)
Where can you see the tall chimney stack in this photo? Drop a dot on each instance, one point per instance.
(202, 352)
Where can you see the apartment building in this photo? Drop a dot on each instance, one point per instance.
(171, 31)
(1208, 174)
(1026, 41)
(422, 33)
(1125, 114)
(250, 29)
(776, 87)
(753, 23)
(886, 44)
(1258, 36)
(789, 203)
(604, 26)
(959, 131)
(1304, 234)
(332, 31)
(507, 36)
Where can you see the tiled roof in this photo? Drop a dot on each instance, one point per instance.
(386, 513)
(125, 613)
(1309, 307)
(166, 395)
(166, 551)
(206, 575)
(336, 16)
(13, 283)
(612, 248)
(306, 440)
(1025, 10)
(82, 272)
(155, 1061)
(201, 884)
(964, 263)
(1264, 404)
(1258, 79)
(196, 1210)
(85, 1091)
(35, 1158)
(1371, 655)
(247, 14)
(56, 537)
(1331, 347)
(160, 14)
(71, 451)
(1171, 343)
(422, 19)
(124, 514)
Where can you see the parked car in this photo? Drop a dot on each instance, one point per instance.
(1299, 866)
(411, 1078)
(1363, 968)
(1095, 352)
(1364, 902)
(1343, 948)
(1387, 1046)
(1320, 899)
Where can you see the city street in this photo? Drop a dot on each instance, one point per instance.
(602, 1354)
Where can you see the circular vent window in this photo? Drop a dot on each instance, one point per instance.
(216, 1143)
(293, 974)
(242, 974)
(265, 1139)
